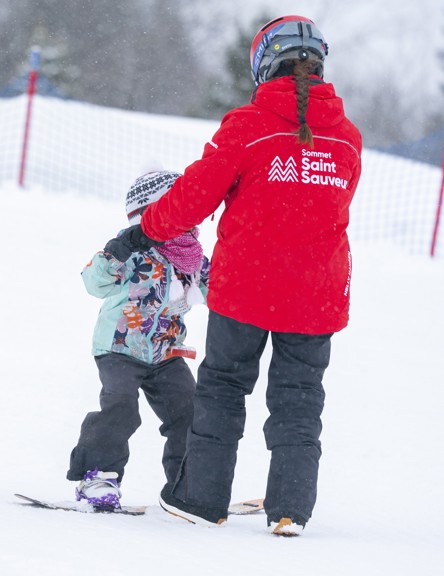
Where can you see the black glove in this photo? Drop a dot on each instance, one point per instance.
(131, 240)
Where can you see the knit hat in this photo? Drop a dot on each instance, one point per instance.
(146, 190)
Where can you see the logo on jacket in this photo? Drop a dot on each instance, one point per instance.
(283, 172)
(316, 168)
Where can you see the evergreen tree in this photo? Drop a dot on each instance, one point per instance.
(236, 87)
(132, 54)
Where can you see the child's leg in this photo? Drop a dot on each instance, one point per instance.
(104, 435)
(169, 389)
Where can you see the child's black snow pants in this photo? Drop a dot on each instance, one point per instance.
(169, 388)
(295, 399)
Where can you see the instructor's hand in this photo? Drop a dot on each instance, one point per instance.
(130, 240)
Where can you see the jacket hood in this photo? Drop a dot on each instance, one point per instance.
(279, 96)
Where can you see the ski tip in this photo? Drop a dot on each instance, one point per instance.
(22, 497)
(246, 506)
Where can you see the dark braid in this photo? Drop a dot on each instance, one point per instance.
(302, 71)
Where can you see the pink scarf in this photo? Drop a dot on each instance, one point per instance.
(184, 252)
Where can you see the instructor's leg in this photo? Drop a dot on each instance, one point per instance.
(295, 399)
(228, 372)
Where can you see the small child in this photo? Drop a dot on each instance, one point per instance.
(138, 343)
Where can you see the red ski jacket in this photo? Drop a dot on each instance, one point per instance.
(282, 260)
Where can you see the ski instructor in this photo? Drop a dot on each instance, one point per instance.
(286, 166)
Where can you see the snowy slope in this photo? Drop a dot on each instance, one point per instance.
(380, 506)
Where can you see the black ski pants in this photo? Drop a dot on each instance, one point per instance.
(295, 399)
(169, 389)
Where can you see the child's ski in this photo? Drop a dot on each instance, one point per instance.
(82, 506)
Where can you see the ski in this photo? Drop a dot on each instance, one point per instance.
(246, 506)
(81, 506)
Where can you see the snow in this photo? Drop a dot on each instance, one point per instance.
(380, 505)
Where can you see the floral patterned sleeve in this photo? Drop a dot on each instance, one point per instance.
(104, 276)
(205, 271)
(204, 277)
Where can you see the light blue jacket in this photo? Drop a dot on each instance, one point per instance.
(137, 317)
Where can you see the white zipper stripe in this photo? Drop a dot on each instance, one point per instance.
(295, 134)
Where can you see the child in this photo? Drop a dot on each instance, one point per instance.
(138, 343)
(287, 166)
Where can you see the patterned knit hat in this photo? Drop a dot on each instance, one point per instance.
(147, 189)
